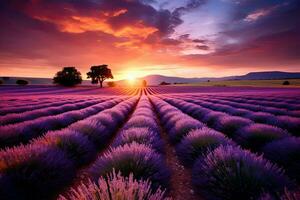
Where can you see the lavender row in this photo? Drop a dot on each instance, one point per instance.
(29, 107)
(288, 106)
(23, 132)
(253, 107)
(134, 155)
(43, 168)
(287, 109)
(53, 110)
(254, 136)
(221, 170)
(292, 99)
(136, 150)
(291, 124)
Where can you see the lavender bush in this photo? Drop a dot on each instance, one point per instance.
(255, 136)
(198, 142)
(76, 146)
(231, 124)
(292, 124)
(285, 153)
(182, 127)
(231, 173)
(34, 172)
(115, 186)
(134, 158)
(141, 136)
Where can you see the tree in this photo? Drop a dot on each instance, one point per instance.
(69, 76)
(144, 83)
(99, 73)
(164, 83)
(286, 83)
(21, 82)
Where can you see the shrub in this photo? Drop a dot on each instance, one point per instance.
(22, 82)
(111, 84)
(286, 83)
(255, 136)
(213, 117)
(34, 172)
(116, 186)
(197, 143)
(286, 153)
(95, 131)
(182, 127)
(262, 117)
(138, 121)
(76, 146)
(288, 195)
(292, 124)
(141, 136)
(231, 124)
(231, 173)
(134, 158)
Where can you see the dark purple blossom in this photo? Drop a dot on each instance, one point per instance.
(285, 153)
(198, 142)
(138, 159)
(231, 173)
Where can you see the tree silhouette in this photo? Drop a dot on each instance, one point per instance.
(69, 76)
(144, 83)
(21, 82)
(99, 73)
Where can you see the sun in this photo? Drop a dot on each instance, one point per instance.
(131, 78)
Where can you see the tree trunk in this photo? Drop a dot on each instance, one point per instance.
(101, 82)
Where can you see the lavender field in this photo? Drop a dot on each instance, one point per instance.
(151, 143)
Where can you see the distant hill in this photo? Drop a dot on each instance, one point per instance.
(32, 81)
(269, 75)
(157, 79)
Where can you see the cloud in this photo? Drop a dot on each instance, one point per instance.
(202, 47)
(125, 33)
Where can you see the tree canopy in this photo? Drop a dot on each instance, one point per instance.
(99, 73)
(22, 82)
(69, 76)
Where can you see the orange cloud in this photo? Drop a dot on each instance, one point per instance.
(81, 24)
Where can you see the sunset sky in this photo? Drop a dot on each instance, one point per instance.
(188, 38)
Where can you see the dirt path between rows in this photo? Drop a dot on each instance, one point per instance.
(181, 178)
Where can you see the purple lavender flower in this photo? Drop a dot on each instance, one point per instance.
(285, 153)
(182, 127)
(141, 136)
(115, 186)
(292, 124)
(213, 117)
(35, 171)
(255, 136)
(231, 173)
(138, 159)
(231, 124)
(198, 142)
(75, 145)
